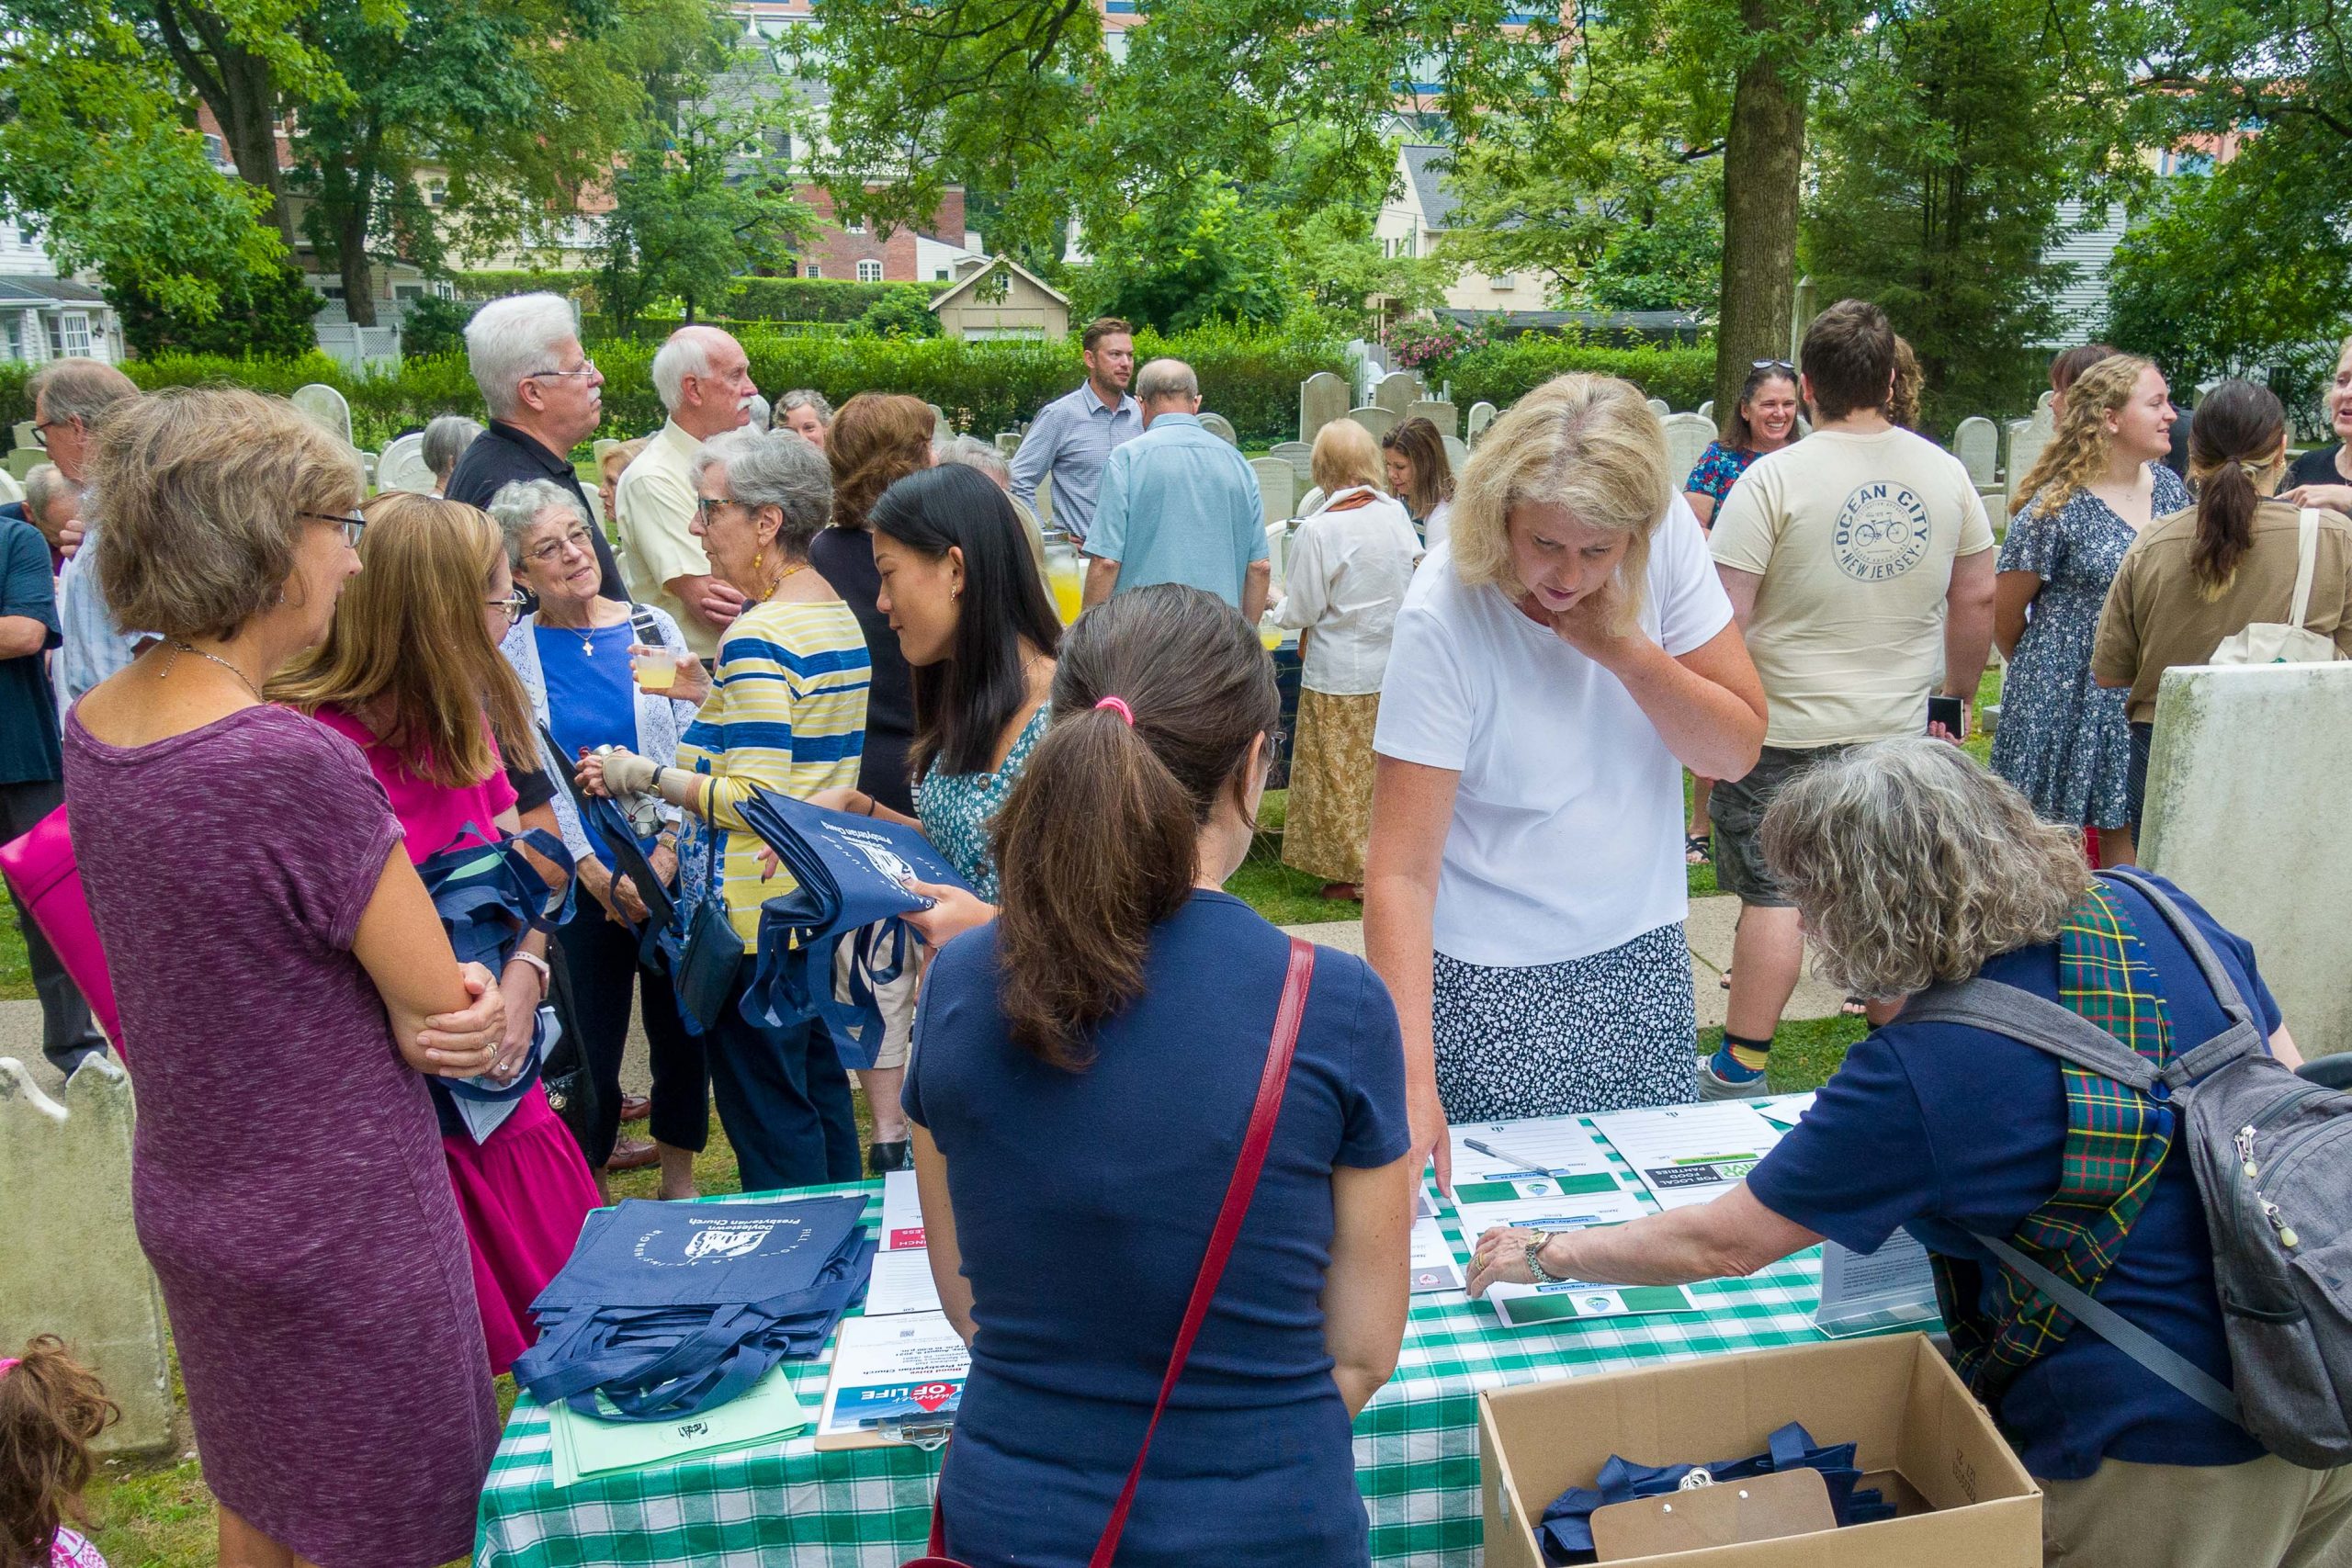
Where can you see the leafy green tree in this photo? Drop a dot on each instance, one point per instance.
(1943, 157)
(265, 314)
(1174, 264)
(902, 312)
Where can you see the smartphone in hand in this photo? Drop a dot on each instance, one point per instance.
(1950, 711)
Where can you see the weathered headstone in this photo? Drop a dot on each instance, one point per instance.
(1445, 416)
(325, 408)
(1322, 398)
(1218, 426)
(2248, 762)
(1687, 435)
(941, 430)
(1300, 456)
(1660, 407)
(70, 1262)
(403, 465)
(2027, 438)
(1377, 419)
(1707, 410)
(1976, 441)
(1457, 451)
(1008, 442)
(1482, 414)
(1396, 392)
(1277, 486)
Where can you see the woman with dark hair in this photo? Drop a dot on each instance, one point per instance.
(1121, 1002)
(2066, 367)
(2193, 579)
(875, 441)
(980, 636)
(1420, 475)
(1763, 419)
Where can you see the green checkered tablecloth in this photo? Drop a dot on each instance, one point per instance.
(1417, 1446)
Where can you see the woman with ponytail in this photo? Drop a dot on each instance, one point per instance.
(1083, 1068)
(2192, 580)
(2099, 482)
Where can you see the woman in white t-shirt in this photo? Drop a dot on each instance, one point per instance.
(1345, 573)
(1553, 668)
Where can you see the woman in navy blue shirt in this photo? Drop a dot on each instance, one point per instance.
(1912, 865)
(1084, 1066)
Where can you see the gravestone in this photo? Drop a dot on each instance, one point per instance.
(1660, 407)
(1482, 414)
(1445, 416)
(1008, 442)
(1687, 436)
(941, 432)
(1277, 486)
(9, 489)
(1301, 459)
(2027, 438)
(325, 408)
(1218, 426)
(70, 1263)
(1377, 419)
(1457, 451)
(1976, 441)
(1707, 410)
(1396, 392)
(1322, 398)
(403, 465)
(2248, 762)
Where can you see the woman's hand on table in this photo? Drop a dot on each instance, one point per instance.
(1500, 1259)
(462, 1045)
(954, 911)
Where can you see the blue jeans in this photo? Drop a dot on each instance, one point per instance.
(783, 1099)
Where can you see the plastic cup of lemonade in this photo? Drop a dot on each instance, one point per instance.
(656, 668)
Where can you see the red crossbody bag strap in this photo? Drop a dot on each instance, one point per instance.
(1237, 1194)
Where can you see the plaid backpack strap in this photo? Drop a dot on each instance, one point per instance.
(2116, 1143)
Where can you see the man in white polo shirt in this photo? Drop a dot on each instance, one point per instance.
(704, 378)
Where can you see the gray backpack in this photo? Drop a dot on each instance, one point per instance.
(2272, 1153)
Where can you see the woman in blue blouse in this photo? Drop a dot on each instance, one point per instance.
(962, 593)
(572, 654)
(1084, 1066)
(1764, 420)
(1913, 865)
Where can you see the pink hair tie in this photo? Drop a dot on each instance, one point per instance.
(1119, 706)
(9, 1364)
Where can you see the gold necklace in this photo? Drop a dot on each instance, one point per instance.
(184, 645)
(777, 586)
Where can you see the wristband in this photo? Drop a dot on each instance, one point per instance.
(547, 975)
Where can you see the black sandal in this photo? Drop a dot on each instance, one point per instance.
(1698, 849)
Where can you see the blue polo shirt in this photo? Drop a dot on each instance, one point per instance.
(28, 748)
(1942, 1130)
(1180, 505)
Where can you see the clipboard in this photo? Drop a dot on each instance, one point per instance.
(628, 856)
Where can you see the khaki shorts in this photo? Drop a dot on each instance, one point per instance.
(897, 998)
(2263, 1514)
(1737, 808)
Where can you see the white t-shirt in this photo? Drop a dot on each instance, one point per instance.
(1567, 838)
(1439, 524)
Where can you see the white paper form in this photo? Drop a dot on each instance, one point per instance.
(901, 1283)
(1520, 1305)
(901, 1213)
(1434, 1266)
(1785, 1109)
(1690, 1154)
(892, 1372)
(1540, 1157)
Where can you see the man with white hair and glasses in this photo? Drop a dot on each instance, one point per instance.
(704, 380)
(545, 398)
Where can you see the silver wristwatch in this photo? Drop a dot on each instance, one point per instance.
(1535, 1260)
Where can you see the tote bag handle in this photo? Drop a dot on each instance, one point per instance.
(1237, 1194)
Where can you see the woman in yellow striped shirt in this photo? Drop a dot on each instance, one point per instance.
(784, 708)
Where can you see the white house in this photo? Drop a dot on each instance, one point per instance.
(43, 319)
(1413, 222)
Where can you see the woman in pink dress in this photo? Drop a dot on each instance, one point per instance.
(411, 674)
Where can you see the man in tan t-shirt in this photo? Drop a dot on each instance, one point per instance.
(704, 380)
(1860, 563)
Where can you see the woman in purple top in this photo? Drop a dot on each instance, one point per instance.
(280, 966)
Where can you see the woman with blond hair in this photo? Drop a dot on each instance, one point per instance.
(1554, 662)
(1347, 570)
(280, 968)
(410, 673)
(2098, 483)
(1916, 869)
(876, 439)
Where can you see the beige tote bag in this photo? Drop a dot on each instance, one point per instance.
(2288, 642)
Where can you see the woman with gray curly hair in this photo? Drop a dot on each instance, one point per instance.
(783, 708)
(575, 654)
(1914, 868)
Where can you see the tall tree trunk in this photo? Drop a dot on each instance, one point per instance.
(1763, 158)
(351, 253)
(241, 89)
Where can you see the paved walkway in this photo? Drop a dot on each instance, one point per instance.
(1709, 933)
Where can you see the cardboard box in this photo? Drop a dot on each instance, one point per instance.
(1962, 1499)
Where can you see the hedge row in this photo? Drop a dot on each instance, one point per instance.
(748, 299)
(1499, 372)
(1250, 378)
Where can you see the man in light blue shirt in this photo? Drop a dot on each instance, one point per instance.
(1178, 504)
(1073, 436)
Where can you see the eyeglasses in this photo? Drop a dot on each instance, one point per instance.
(575, 540)
(1770, 364)
(41, 427)
(587, 367)
(515, 603)
(704, 504)
(351, 526)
